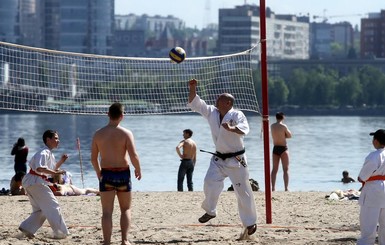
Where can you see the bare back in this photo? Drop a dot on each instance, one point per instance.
(280, 133)
(113, 143)
(189, 149)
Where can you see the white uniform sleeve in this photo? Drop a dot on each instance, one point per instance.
(242, 123)
(39, 160)
(371, 164)
(200, 106)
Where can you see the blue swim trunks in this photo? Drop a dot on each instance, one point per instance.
(115, 179)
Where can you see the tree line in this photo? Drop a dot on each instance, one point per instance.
(321, 87)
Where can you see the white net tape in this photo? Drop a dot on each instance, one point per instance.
(40, 80)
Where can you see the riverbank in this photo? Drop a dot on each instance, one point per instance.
(318, 111)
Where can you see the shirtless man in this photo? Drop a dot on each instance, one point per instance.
(280, 133)
(188, 159)
(112, 148)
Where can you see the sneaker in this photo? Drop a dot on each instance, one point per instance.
(251, 229)
(206, 217)
(26, 233)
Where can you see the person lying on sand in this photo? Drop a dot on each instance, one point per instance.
(71, 190)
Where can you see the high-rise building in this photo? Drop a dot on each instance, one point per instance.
(85, 26)
(77, 26)
(331, 40)
(343, 37)
(30, 33)
(9, 21)
(49, 23)
(239, 30)
(373, 35)
(287, 37)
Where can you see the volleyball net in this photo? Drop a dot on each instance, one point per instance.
(41, 80)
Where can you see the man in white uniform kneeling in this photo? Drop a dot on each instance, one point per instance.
(228, 127)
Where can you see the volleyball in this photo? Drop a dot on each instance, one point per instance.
(177, 54)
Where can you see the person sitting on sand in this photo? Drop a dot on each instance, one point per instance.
(15, 185)
(346, 178)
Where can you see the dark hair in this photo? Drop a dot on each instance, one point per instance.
(345, 173)
(48, 134)
(279, 116)
(188, 131)
(20, 142)
(116, 110)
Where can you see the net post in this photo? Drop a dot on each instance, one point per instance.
(80, 160)
(265, 110)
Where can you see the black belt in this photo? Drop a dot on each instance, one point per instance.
(224, 156)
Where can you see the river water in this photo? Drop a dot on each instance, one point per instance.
(321, 147)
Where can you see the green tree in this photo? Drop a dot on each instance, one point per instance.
(373, 85)
(337, 50)
(349, 90)
(296, 86)
(278, 91)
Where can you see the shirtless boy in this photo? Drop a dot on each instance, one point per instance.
(280, 132)
(188, 159)
(112, 149)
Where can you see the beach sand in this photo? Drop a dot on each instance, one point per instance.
(171, 218)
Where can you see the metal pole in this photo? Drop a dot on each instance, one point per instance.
(265, 110)
(80, 161)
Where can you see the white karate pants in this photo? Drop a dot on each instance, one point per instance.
(44, 206)
(369, 218)
(239, 176)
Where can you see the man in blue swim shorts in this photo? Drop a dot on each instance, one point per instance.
(111, 152)
(280, 132)
(115, 179)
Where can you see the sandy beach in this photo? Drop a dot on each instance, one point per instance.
(171, 218)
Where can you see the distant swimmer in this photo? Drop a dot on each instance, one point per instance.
(346, 178)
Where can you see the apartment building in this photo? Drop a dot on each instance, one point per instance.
(373, 35)
(239, 30)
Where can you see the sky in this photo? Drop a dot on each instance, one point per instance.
(197, 13)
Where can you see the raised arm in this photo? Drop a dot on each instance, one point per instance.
(14, 149)
(63, 158)
(193, 89)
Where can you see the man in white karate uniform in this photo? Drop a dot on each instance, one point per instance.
(372, 198)
(44, 203)
(228, 127)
